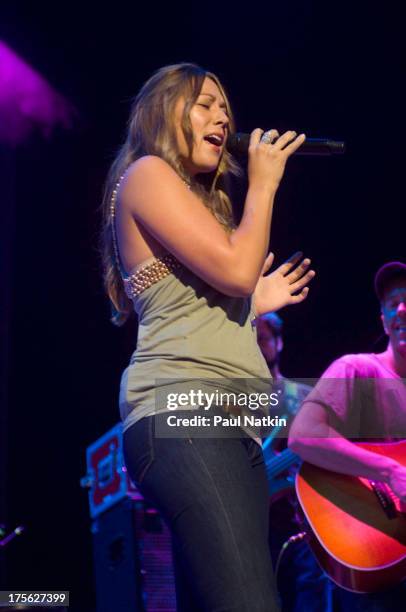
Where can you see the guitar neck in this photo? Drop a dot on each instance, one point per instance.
(279, 463)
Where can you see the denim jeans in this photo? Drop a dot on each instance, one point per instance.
(213, 494)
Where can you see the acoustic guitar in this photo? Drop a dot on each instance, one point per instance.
(358, 526)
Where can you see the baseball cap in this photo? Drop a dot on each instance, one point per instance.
(386, 273)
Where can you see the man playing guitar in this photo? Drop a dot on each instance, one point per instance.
(362, 397)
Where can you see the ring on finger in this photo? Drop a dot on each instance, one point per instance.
(268, 137)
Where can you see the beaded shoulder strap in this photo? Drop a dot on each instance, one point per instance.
(113, 224)
(147, 275)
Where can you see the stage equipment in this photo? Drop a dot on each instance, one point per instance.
(239, 142)
(131, 544)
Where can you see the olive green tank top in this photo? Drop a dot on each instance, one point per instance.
(187, 330)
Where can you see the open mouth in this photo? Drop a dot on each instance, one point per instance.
(214, 139)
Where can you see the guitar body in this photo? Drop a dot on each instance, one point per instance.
(359, 542)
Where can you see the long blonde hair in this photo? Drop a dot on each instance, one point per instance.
(151, 131)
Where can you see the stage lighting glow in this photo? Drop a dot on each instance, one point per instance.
(28, 103)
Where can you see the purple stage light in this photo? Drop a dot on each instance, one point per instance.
(27, 102)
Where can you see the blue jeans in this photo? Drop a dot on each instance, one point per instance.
(213, 494)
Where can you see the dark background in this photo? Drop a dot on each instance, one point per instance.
(328, 69)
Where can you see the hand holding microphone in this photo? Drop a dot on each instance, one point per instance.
(267, 156)
(239, 143)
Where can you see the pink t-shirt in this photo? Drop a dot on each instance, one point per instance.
(363, 397)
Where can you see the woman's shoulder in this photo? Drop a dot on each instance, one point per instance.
(148, 182)
(146, 167)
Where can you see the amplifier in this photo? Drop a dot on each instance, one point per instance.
(133, 560)
(132, 547)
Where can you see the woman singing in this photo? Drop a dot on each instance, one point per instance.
(197, 281)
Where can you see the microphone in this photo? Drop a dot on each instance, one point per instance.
(239, 142)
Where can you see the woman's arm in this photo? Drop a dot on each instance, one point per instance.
(177, 219)
(312, 438)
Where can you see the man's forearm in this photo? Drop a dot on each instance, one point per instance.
(333, 452)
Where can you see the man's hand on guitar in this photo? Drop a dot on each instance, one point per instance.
(397, 482)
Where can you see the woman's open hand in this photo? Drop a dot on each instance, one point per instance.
(286, 285)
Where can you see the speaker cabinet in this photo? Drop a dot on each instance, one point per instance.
(133, 560)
